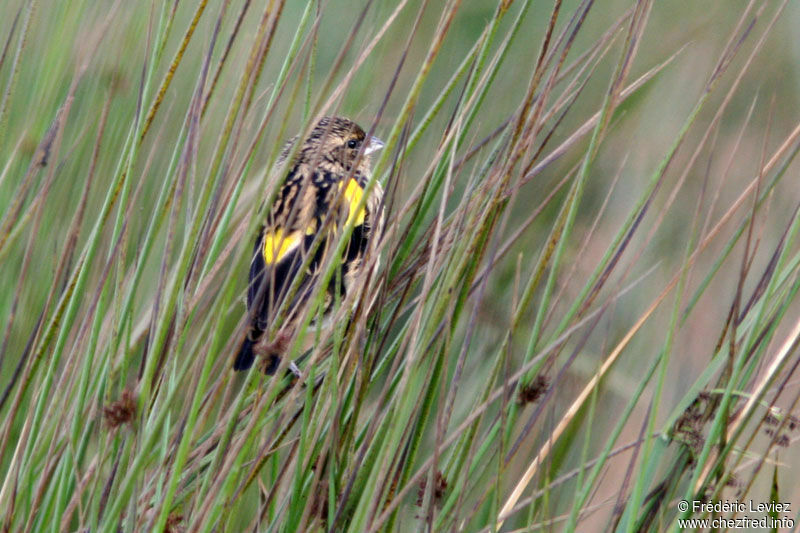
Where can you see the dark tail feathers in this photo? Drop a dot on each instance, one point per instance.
(246, 357)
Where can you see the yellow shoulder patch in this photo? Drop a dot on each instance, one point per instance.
(276, 245)
(352, 195)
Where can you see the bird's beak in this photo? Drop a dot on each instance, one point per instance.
(374, 145)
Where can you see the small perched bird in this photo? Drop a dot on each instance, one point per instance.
(321, 193)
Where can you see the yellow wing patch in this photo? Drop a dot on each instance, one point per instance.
(352, 195)
(277, 245)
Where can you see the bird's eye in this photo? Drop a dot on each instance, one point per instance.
(352, 143)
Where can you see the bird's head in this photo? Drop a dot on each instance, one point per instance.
(337, 142)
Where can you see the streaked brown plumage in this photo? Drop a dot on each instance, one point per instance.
(320, 194)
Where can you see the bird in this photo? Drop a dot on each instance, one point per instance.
(322, 191)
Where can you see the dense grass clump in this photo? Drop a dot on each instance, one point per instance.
(584, 311)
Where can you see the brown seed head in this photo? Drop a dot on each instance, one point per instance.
(533, 390)
(121, 411)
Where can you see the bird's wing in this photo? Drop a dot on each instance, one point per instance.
(282, 246)
(281, 249)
